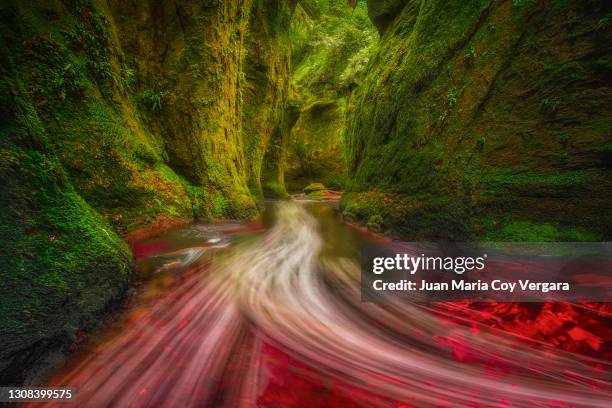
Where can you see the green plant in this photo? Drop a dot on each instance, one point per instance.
(470, 55)
(102, 70)
(375, 223)
(564, 138)
(451, 97)
(128, 76)
(603, 23)
(152, 99)
(67, 81)
(481, 142)
(550, 106)
(451, 100)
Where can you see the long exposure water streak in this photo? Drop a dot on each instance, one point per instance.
(252, 323)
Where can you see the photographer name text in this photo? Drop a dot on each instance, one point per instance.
(465, 285)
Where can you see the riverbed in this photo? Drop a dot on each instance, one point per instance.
(269, 313)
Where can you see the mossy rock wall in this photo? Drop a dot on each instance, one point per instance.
(332, 43)
(190, 56)
(476, 114)
(265, 93)
(116, 115)
(315, 152)
(61, 263)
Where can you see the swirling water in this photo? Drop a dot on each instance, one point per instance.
(274, 317)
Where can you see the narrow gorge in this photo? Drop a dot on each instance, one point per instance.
(434, 120)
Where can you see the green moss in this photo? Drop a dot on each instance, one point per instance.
(409, 216)
(526, 231)
(275, 190)
(332, 45)
(92, 147)
(152, 99)
(315, 191)
(207, 203)
(264, 92)
(375, 223)
(315, 152)
(509, 180)
(61, 262)
(464, 111)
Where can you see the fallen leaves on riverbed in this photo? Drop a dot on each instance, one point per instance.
(582, 328)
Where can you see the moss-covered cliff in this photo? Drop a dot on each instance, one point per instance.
(116, 115)
(485, 118)
(331, 44)
(266, 82)
(188, 59)
(60, 261)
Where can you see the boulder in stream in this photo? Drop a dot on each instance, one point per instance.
(315, 190)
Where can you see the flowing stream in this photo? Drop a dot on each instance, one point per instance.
(271, 315)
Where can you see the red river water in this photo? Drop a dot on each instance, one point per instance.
(236, 315)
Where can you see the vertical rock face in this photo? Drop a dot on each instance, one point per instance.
(331, 43)
(315, 146)
(60, 261)
(383, 12)
(115, 115)
(192, 54)
(265, 93)
(486, 117)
